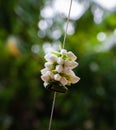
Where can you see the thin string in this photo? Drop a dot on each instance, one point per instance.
(52, 111)
(65, 34)
(67, 24)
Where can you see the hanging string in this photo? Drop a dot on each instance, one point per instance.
(65, 34)
(67, 24)
(52, 111)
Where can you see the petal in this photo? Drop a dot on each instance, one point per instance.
(50, 74)
(66, 63)
(45, 78)
(49, 65)
(51, 58)
(71, 64)
(59, 68)
(63, 52)
(66, 70)
(71, 73)
(63, 81)
(74, 79)
(57, 77)
(43, 71)
(71, 55)
(60, 61)
(47, 56)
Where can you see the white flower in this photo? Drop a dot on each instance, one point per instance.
(60, 61)
(50, 74)
(66, 70)
(59, 68)
(43, 71)
(49, 65)
(50, 57)
(45, 77)
(74, 79)
(63, 52)
(57, 77)
(63, 81)
(71, 73)
(71, 55)
(71, 64)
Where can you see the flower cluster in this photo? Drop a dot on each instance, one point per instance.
(59, 67)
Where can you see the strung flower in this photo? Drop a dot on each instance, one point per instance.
(45, 77)
(63, 81)
(74, 79)
(63, 52)
(43, 71)
(58, 69)
(71, 64)
(57, 77)
(72, 56)
(60, 61)
(49, 65)
(51, 58)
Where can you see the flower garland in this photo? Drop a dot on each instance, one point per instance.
(58, 69)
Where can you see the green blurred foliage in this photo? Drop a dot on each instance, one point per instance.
(24, 103)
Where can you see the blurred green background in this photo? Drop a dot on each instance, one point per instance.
(29, 29)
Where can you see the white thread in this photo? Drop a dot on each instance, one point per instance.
(52, 111)
(67, 24)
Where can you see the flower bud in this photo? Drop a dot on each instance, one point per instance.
(51, 58)
(45, 77)
(66, 70)
(64, 52)
(57, 77)
(60, 61)
(43, 71)
(71, 64)
(59, 68)
(71, 73)
(71, 55)
(50, 74)
(63, 81)
(49, 65)
(74, 79)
